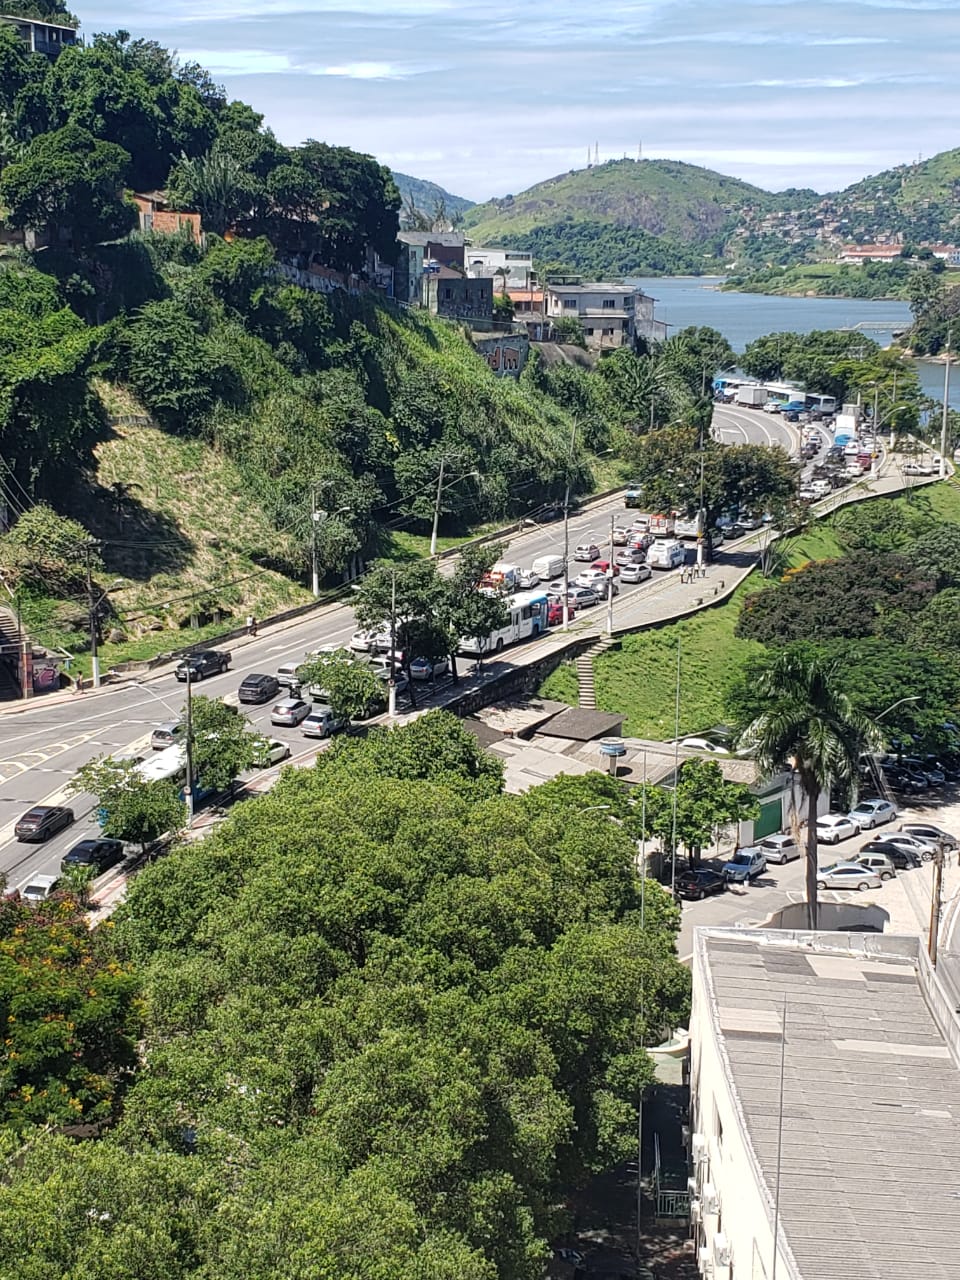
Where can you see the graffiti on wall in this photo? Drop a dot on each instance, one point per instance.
(505, 355)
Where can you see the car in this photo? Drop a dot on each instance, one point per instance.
(362, 641)
(928, 832)
(807, 493)
(639, 571)
(41, 822)
(555, 611)
(271, 753)
(878, 861)
(587, 551)
(949, 768)
(620, 536)
(750, 522)
(197, 666)
(928, 767)
(400, 681)
(901, 780)
(773, 406)
(322, 722)
(424, 669)
(699, 882)
(290, 711)
(583, 597)
(847, 875)
(922, 850)
(605, 566)
(99, 853)
(919, 469)
(596, 581)
(872, 812)
(834, 827)
(167, 735)
(258, 688)
(901, 856)
(40, 888)
(745, 865)
(527, 579)
(703, 744)
(631, 555)
(779, 848)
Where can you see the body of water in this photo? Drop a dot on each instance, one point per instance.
(741, 317)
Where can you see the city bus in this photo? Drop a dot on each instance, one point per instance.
(527, 619)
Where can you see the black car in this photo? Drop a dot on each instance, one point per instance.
(41, 822)
(699, 882)
(102, 854)
(907, 783)
(900, 858)
(212, 662)
(258, 688)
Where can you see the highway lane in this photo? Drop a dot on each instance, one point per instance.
(733, 424)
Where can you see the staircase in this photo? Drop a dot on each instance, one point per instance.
(586, 690)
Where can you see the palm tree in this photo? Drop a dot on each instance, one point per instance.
(810, 725)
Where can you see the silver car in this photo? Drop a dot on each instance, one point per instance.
(847, 875)
(290, 711)
(779, 848)
(872, 812)
(636, 572)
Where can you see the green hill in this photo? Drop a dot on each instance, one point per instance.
(921, 201)
(428, 196)
(685, 203)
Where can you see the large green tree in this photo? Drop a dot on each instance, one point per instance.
(808, 725)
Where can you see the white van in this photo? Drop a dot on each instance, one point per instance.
(547, 567)
(666, 554)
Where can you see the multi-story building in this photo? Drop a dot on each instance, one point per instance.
(825, 1122)
(450, 293)
(510, 268)
(48, 38)
(611, 315)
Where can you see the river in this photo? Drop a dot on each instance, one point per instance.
(741, 317)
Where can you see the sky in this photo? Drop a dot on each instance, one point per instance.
(488, 99)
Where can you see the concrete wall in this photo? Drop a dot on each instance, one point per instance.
(835, 917)
(506, 355)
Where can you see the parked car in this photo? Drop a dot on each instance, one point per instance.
(919, 469)
(212, 662)
(587, 551)
(583, 597)
(362, 641)
(745, 865)
(703, 744)
(167, 735)
(638, 571)
(40, 888)
(99, 853)
(904, 780)
(900, 856)
(780, 848)
(847, 875)
(258, 688)
(834, 827)
(749, 521)
(424, 669)
(877, 861)
(41, 822)
(927, 831)
(922, 850)
(322, 722)
(699, 882)
(928, 768)
(400, 681)
(288, 675)
(597, 581)
(290, 711)
(872, 812)
(272, 752)
(527, 579)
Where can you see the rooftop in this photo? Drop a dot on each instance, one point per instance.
(596, 287)
(870, 1177)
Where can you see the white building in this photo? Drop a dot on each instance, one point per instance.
(825, 1108)
(611, 315)
(515, 266)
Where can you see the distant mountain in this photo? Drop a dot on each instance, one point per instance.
(427, 196)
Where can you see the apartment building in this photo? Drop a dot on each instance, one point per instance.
(510, 267)
(611, 315)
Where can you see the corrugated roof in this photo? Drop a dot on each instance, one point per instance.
(870, 1178)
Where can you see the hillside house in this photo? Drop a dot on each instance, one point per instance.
(449, 293)
(48, 38)
(611, 315)
(510, 267)
(156, 215)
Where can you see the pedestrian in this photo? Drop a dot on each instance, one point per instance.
(78, 685)
(251, 625)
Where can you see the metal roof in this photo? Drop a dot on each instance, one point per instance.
(870, 1179)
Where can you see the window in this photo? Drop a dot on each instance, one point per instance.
(609, 304)
(589, 333)
(447, 293)
(569, 304)
(608, 333)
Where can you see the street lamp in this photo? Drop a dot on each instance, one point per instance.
(317, 517)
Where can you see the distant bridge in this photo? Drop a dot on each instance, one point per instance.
(881, 325)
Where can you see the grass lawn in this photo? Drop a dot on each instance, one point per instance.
(639, 677)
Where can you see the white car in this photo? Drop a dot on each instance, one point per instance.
(424, 669)
(834, 827)
(703, 744)
(40, 888)
(272, 753)
(620, 536)
(847, 875)
(635, 572)
(361, 641)
(872, 813)
(596, 580)
(527, 579)
(588, 551)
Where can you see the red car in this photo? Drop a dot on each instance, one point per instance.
(555, 613)
(604, 567)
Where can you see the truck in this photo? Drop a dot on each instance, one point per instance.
(502, 576)
(666, 554)
(653, 522)
(753, 395)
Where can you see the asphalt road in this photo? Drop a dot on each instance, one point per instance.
(43, 745)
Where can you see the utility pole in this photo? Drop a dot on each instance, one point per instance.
(566, 534)
(315, 568)
(436, 511)
(92, 617)
(188, 781)
(610, 581)
(392, 682)
(946, 410)
(935, 906)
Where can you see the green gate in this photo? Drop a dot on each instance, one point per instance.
(770, 820)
